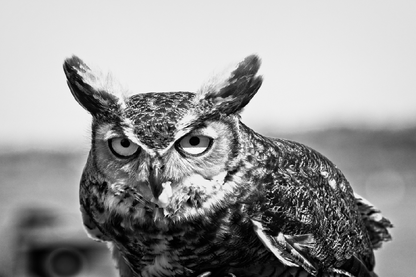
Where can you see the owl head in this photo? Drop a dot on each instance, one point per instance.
(164, 156)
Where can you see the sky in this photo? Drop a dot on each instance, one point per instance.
(325, 63)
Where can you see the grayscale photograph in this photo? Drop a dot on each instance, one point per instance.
(207, 138)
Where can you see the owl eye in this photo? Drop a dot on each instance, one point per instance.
(123, 147)
(194, 145)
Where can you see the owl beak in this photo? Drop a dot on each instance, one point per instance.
(155, 183)
(162, 191)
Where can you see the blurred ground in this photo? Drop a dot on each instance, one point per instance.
(379, 164)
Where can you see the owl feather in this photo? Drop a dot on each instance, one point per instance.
(177, 185)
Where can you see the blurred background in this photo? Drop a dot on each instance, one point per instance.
(339, 76)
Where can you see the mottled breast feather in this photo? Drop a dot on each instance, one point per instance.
(155, 115)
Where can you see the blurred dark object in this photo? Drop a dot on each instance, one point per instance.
(53, 244)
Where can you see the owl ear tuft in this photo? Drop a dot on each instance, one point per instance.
(90, 89)
(231, 91)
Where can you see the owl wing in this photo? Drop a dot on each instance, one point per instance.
(290, 250)
(309, 216)
(295, 251)
(375, 223)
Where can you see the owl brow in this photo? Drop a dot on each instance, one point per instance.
(107, 132)
(207, 131)
(188, 129)
(117, 132)
(198, 127)
(112, 134)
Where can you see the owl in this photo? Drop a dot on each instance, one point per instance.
(177, 185)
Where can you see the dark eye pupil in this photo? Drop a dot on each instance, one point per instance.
(194, 141)
(125, 143)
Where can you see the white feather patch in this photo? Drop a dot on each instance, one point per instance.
(164, 198)
(332, 183)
